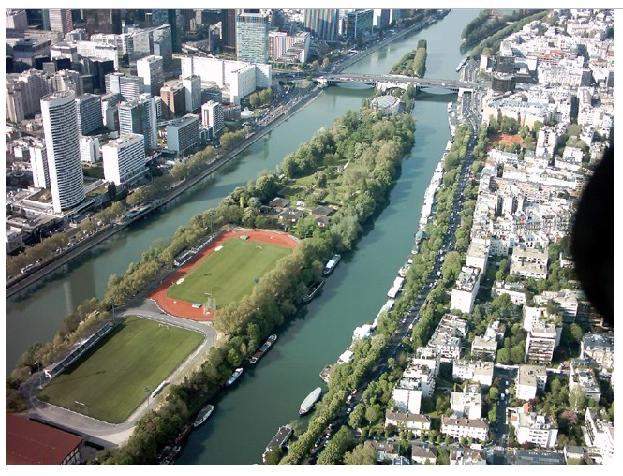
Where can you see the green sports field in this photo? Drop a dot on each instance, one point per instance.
(229, 274)
(113, 381)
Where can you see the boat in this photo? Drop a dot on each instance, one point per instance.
(159, 388)
(279, 440)
(314, 292)
(331, 264)
(461, 64)
(203, 415)
(310, 401)
(325, 374)
(237, 373)
(259, 353)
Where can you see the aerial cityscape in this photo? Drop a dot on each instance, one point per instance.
(306, 236)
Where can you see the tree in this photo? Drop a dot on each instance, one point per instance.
(361, 454)
(273, 456)
(503, 356)
(492, 415)
(373, 413)
(355, 419)
(335, 448)
(577, 399)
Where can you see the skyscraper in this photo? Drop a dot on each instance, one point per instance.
(60, 20)
(62, 140)
(322, 22)
(39, 165)
(130, 87)
(102, 20)
(212, 115)
(359, 24)
(192, 93)
(89, 108)
(252, 37)
(228, 25)
(150, 69)
(139, 117)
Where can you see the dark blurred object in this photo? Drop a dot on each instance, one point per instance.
(592, 239)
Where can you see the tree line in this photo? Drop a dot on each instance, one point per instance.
(413, 63)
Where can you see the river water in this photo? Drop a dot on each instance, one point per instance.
(269, 394)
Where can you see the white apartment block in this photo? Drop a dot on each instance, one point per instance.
(467, 404)
(192, 92)
(582, 378)
(529, 262)
(418, 424)
(446, 342)
(464, 428)
(406, 399)
(150, 68)
(515, 291)
(212, 115)
(530, 380)
(599, 348)
(475, 371)
(467, 456)
(599, 435)
(465, 289)
(39, 165)
(533, 428)
(124, 158)
(90, 152)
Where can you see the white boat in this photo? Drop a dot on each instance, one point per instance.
(310, 401)
(203, 415)
(331, 264)
(237, 373)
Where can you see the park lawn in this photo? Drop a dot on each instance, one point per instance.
(113, 381)
(229, 274)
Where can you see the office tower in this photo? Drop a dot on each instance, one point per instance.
(16, 19)
(381, 18)
(162, 40)
(192, 92)
(150, 70)
(173, 99)
(98, 68)
(359, 24)
(89, 109)
(67, 80)
(183, 134)
(252, 37)
(175, 36)
(228, 26)
(212, 115)
(322, 22)
(45, 19)
(139, 117)
(110, 113)
(60, 20)
(24, 92)
(396, 15)
(130, 87)
(39, 165)
(124, 158)
(102, 20)
(62, 141)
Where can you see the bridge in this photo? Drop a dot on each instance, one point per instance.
(389, 81)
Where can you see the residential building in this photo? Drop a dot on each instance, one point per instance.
(530, 380)
(467, 404)
(359, 23)
(599, 436)
(582, 378)
(484, 347)
(447, 340)
(62, 140)
(212, 115)
(183, 134)
(475, 371)
(192, 93)
(173, 99)
(599, 348)
(150, 69)
(423, 454)
(29, 442)
(529, 262)
(89, 150)
(139, 117)
(60, 20)
(252, 37)
(381, 18)
(465, 289)
(467, 456)
(110, 112)
(89, 109)
(568, 301)
(418, 424)
(515, 291)
(39, 165)
(322, 22)
(124, 159)
(464, 428)
(289, 48)
(543, 334)
(531, 427)
(130, 87)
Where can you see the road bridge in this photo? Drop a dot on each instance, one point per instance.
(389, 81)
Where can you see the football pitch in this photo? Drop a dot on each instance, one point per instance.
(229, 274)
(113, 381)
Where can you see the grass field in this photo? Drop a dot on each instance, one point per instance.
(113, 381)
(229, 274)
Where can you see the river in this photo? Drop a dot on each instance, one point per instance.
(269, 394)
